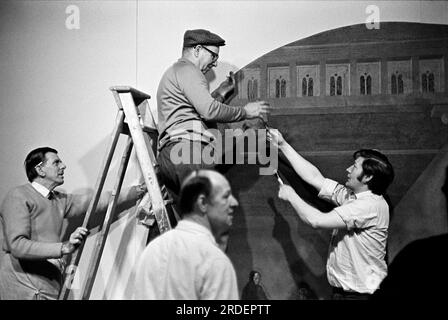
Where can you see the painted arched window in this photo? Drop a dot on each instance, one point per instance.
(283, 88)
(332, 86)
(365, 84)
(249, 90)
(400, 84)
(428, 82)
(310, 87)
(339, 86)
(431, 82)
(369, 85)
(277, 88)
(252, 89)
(393, 84)
(307, 86)
(362, 85)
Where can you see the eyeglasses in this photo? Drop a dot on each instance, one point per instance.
(215, 56)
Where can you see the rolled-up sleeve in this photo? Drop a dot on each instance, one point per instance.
(335, 193)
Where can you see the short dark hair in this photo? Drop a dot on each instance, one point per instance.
(33, 158)
(377, 165)
(191, 190)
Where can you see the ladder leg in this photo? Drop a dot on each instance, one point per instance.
(173, 216)
(71, 268)
(102, 236)
(145, 158)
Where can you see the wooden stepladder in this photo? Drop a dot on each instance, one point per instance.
(131, 107)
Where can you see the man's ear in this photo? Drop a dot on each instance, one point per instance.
(196, 51)
(366, 178)
(40, 172)
(201, 203)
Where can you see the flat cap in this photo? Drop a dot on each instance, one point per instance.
(201, 36)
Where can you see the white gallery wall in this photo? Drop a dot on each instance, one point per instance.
(58, 59)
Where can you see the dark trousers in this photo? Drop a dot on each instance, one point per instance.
(340, 294)
(178, 159)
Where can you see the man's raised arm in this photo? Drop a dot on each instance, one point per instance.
(305, 169)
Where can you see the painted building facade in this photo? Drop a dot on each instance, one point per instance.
(334, 93)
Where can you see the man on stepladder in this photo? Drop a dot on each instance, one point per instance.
(185, 107)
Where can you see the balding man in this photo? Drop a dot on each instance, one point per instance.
(186, 262)
(186, 109)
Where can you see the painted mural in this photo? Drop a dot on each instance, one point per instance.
(333, 93)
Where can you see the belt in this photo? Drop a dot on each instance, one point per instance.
(351, 293)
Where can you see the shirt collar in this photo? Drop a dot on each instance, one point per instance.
(41, 189)
(197, 228)
(365, 194)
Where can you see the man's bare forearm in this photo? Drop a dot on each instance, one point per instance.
(305, 169)
(306, 213)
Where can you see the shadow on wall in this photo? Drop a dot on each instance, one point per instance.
(91, 164)
(257, 217)
(113, 279)
(263, 238)
(422, 210)
(297, 265)
(239, 248)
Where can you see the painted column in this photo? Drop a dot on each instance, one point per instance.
(323, 80)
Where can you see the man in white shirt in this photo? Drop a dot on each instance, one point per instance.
(186, 262)
(32, 217)
(356, 262)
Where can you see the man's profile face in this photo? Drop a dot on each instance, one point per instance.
(53, 168)
(210, 58)
(220, 207)
(354, 173)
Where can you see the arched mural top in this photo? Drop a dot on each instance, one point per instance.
(351, 50)
(388, 31)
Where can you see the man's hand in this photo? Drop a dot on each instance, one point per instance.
(76, 238)
(286, 192)
(275, 137)
(141, 190)
(257, 109)
(225, 89)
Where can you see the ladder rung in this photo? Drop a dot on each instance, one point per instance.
(135, 93)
